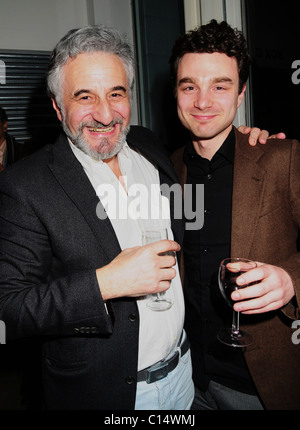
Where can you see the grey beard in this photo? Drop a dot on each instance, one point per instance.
(79, 141)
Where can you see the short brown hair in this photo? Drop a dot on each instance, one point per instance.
(209, 38)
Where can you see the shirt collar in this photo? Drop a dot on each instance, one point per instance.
(226, 150)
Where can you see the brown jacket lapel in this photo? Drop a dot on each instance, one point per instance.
(248, 187)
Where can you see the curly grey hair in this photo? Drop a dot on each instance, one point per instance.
(93, 38)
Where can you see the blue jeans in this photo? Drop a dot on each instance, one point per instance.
(219, 397)
(174, 392)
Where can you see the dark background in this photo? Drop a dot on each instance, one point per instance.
(274, 43)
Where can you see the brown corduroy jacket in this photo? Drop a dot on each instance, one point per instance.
(265, 225)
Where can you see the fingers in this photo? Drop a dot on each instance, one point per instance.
(258, 135)
(160, 280)
(165, 251)
(165, 277)
(162, 255)
(266, 288)
(258, 306)
(244, 129)
(278, 136)
(265, 299)
(239, 266)
(255, 134)
(164, 246)
(137, 272)
(263, 136)
(159, 261)
(251, 299)
(255, 274)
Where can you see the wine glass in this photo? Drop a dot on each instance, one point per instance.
(230, 269)
(159, 301)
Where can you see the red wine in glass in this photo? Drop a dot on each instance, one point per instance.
(230, 269)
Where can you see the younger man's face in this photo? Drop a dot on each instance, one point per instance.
(208, 95)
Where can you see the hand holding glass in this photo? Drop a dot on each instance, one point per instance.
(158, 301)
(230, 269)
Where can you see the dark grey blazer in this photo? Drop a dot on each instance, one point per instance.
(51, 243)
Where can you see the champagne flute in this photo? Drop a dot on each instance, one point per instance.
(159, 301)
(230, 269)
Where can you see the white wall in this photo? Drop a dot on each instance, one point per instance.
(39, 24)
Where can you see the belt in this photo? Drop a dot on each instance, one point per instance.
(160, 370)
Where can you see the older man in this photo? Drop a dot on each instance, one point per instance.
(75, 282)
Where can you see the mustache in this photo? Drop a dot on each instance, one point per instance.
(97, 124)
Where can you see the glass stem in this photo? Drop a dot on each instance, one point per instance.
(235, 323)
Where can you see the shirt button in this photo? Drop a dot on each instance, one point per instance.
(130, 380)
(209, 176)
(207, 212)
(132, 317)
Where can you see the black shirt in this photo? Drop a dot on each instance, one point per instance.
(206, 310)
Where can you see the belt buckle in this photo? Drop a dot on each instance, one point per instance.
(159, 372)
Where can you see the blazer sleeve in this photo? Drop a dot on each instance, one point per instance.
(292, 264)
(37, 296)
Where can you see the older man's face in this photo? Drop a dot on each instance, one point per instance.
(95, 103)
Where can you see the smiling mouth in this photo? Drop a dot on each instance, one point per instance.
(101, 129)
(205, 117)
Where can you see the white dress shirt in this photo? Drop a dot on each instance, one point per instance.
(138, 210)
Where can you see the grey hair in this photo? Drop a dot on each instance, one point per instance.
(93, 38)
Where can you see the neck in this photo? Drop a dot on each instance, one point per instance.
(113, 164)
(207, 148)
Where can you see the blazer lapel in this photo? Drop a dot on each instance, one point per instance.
(70, 175)
(248, 186)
